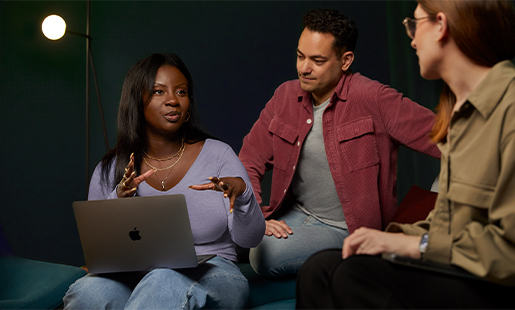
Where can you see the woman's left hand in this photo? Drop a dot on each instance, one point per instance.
(230, 186)
(374, 242)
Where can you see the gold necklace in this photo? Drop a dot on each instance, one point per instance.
(173, 165)
(168, 158)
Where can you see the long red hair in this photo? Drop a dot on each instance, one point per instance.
(484, 30)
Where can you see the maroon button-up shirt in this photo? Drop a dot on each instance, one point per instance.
(363, 126)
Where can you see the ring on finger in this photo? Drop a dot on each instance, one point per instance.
(125, 186)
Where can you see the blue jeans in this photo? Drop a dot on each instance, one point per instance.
(217, 284)
(276, 257)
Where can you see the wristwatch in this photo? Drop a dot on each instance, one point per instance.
(423, 244)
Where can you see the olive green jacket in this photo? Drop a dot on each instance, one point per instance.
(473, 223)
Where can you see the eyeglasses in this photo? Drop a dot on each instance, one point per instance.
(411, 25)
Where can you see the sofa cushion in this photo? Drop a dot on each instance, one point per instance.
(415, 206)
(265, 290)
(32, 284)
(279, 305)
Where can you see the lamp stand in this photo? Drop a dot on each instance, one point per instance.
(89, 61)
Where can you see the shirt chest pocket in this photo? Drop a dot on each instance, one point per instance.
(478, 196)
(357, 143)
(284, 136)
(470, 203)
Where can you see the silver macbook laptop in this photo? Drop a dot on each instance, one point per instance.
(136, 234)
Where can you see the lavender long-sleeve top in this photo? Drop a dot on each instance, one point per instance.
(215, 229)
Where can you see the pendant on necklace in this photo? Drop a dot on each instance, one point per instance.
(163, 185)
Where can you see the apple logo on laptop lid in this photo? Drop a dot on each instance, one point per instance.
(134, 234)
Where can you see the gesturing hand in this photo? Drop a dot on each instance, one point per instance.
(129, 183)
(230, 186)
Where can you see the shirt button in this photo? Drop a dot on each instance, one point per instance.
(309, 121)
(284, 191)
(298, 143)
(293, 167)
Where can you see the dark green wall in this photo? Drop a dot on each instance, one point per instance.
(237, 51)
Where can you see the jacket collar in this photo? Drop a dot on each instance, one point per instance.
(489, 92)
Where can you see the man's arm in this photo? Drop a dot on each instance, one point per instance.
(407, 122)
(256, 154)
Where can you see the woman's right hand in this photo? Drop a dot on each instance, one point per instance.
(370, 241)
(129, 183)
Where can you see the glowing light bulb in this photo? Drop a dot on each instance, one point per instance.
(54, 27)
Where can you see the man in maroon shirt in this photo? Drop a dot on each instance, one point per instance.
(332, 139)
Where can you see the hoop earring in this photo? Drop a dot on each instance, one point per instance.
(187, 118)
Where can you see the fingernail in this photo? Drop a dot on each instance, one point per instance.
(133, 173)
(225, 195)
(230, 211)
(210, 178)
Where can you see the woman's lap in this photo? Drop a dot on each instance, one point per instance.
(215, 284)
(364, 281)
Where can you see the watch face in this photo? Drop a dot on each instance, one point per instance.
(423, 243)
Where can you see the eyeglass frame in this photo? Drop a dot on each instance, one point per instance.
(412, 21)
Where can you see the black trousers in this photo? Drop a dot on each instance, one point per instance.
(326, 281)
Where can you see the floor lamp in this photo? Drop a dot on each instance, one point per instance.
(54, 28)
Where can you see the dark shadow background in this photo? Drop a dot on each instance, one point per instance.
(237, 51)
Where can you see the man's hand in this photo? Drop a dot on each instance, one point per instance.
(277, 228)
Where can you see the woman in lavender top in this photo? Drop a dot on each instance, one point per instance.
(162, 149)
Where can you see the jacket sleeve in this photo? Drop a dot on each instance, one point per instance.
(415, 229)
(256, 154)
(246, 222)
(407, 122)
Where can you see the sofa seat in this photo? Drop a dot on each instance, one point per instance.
(32, 284)
(269, 293)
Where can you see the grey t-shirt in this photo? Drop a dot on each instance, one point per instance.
(312, 184)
